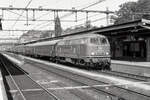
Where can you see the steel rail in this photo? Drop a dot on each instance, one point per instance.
(37, 83)
(75, 93)
(51, 94)
(13, 79)
(96, 90)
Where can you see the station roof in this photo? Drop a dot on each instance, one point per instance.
(140, 27)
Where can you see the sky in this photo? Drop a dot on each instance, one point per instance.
(112, 5)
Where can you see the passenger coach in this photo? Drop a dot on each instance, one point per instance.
(89, 50)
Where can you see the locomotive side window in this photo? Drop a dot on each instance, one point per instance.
(98, 41)
(103, 40)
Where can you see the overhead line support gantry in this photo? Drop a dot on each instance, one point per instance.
(55, 10)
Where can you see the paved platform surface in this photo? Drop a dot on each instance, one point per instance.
(131, 63)
(3, 95)
(138, 68)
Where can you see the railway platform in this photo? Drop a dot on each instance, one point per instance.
(131, 67)
(117, 86)
(3, 95)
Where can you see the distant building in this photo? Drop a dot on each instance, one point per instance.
(6, 46)
(35, 35)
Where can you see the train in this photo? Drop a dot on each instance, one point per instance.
(88, 50)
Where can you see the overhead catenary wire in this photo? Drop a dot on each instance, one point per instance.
(78, 24)
(17, 13)
(91, 21)
(75, 25)
(21, 14)
(92, 4)
(89, 5)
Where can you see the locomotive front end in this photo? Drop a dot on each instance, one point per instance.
(99, 52)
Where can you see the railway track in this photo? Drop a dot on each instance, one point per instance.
(115, 73)
(24, 83)
(115, 92)
(76, 93)
(118, 74)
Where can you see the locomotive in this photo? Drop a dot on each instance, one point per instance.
(88, 50)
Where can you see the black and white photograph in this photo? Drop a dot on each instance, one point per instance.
(74, 49)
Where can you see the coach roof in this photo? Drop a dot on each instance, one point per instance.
(91, 34)
(44, 43)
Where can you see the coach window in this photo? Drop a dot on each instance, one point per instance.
(86, 40)
(67, 42)
(75, 41)
(62, 43)
(98, 40)
(83, 41)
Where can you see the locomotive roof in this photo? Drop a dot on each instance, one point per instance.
(83, 36)
(44, 43)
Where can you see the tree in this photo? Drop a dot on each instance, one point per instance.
(125, 13)
(143, 8)
(132, 11)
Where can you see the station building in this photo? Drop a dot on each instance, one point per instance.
(129, 41)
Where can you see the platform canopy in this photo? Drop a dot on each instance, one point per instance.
(138, 27)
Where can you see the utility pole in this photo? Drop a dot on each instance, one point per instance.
(107, 16)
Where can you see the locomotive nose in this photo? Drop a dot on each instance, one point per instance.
(100, 51)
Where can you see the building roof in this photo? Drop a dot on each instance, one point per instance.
(141, 27)
(133, 26)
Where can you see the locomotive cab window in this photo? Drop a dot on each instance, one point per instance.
(99, 40)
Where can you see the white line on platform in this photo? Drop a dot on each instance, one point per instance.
(69, 88)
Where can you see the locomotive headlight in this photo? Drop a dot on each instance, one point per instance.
(107, 53)
(92, 53)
